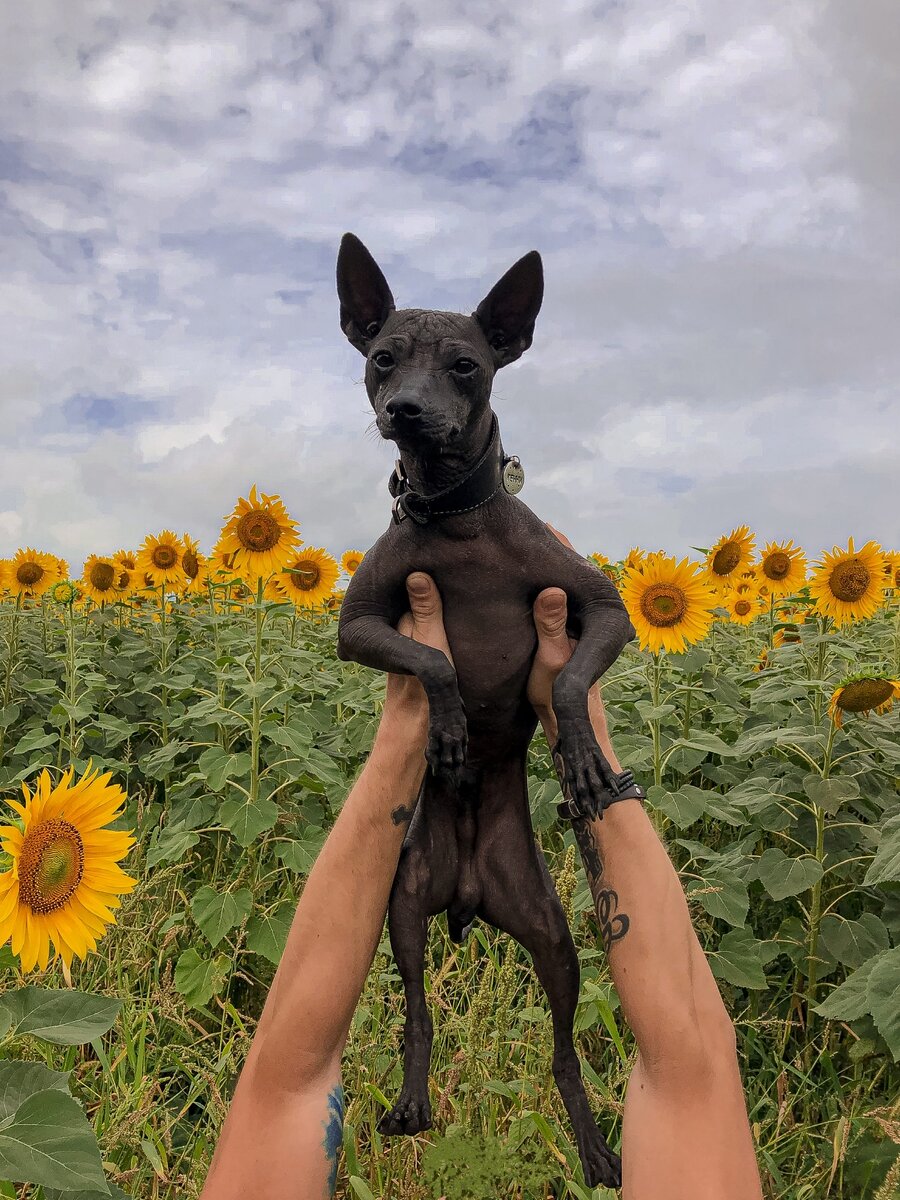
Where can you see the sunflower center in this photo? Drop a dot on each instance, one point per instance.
(102, 576)
(51, 864)
(777, 565)
(725, 560)
(663, 604)
(849, 580)
(30, 573)
(305, 575)
(123, 581)
(258, 531)
(190, 564)
(742, 607)
(864, 694)
(164, 556)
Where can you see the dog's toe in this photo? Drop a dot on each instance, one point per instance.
(409, 1115)
(602, 1167)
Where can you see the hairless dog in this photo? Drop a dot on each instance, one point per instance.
(470, 848)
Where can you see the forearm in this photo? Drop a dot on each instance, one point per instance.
(340, 916)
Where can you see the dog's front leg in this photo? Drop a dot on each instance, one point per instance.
(372, 641)
(584, 770)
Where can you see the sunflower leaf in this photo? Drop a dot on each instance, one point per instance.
(830, 794)
(783, 876)
(724, 895)
(19, 1080)
(198, 979)
(886, 866)
(246, 819)
(217, 913)
(883, 993)
(267, 932)
(850, 1000)
(48, 1141)
(738, 959)
(66, 1018)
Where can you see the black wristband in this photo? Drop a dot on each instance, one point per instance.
(624, 788)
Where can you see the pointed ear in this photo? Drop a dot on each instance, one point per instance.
(509, 310)
(366, 300)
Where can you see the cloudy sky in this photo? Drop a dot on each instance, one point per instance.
(713, 185)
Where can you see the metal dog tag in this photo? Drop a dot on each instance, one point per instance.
(513, 475)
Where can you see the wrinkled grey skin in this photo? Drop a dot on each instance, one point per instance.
(470, 848)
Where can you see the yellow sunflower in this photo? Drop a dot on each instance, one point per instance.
(730, 554)
(64, 881)
(64, 592)
(160, 558)
(633, 559)
(782, 567)
(261, 536)
(763, 660)
(892, 570)
(309, 577)
(669, 604)
(848, 584)
(786, 635)
(743, 606)
(5, 568)
(351, 559)
(221, 566)
(193, 564)
(863, 693)
(99, 579)
(31, 573)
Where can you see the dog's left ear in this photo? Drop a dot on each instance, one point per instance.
(366, 300)
(508, 312)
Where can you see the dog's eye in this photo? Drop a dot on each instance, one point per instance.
(383, 360)
(464, 366)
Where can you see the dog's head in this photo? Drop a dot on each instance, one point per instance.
(429, 374)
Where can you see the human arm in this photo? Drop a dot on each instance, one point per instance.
(686, 1134)
(282, 1133)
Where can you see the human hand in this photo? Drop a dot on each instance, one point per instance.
(405, 702)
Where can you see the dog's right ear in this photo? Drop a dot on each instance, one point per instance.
(366, 300)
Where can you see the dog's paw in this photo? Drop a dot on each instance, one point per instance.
(411, 1114)
(602, 1167)
(586, 776)
(447, 743)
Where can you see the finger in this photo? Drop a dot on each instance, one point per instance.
(561, 536)
(424, 600)
(550, 613)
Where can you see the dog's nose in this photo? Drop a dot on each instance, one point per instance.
(401, 406)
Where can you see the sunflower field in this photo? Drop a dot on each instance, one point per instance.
(176, 738)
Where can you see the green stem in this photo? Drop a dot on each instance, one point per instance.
(815, 908)
(686, 724)
(771, 620)
(257, 707)
(13, 648)
(655, 723)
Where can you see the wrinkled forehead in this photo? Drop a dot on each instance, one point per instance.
(427, 327)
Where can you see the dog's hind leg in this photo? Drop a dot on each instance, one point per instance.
(520, 898)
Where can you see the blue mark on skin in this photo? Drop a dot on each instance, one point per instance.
(334, 1132)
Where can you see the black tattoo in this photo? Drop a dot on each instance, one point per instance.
(613, 925)
(402, 815)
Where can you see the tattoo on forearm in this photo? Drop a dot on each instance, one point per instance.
(402, 815)
(334, 1133)
(613, 925)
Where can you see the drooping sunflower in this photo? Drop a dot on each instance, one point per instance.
(193, 564)
(782, 566)
(848, 585)
(670, 604)
(65, 880)
(309, 577)
(31, 573)
(351, 559)
(743, 606)
(160, 557)
(892, 570)
(786, 634)
(261, 536)
(863, 693)
(99, 579)
(221, 565)
(731, 553)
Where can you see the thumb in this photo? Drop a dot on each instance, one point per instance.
(550, 612)
(424, 599)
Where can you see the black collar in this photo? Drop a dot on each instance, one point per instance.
(493, 471)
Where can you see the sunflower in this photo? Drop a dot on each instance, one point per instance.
(669, 605)
(892, 570)
(99, 579)
(743, 606)
(220, 565)
(848, 584)
(32, 573)
(782, 567)
(5, 569)
(64, 592)
(193, 563)
(160, 558)
(64, 880)
(763, 660)
(731, 553)
(786, 635)
(261, 536)
(633, 559)
(351, 559)
(309, 577)
(863, 693)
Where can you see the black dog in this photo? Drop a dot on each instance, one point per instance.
(470, 849)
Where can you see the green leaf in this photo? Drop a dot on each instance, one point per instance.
(217, 913)
(738, 959)
(886, 866)
(320, 766)
(730, 901)
(48, 1141)
(114, 1192)
(171, 844)
(67, 1018)
(216, 765)
(830, 794)
(300, 855)
(267, 932)
(682, 808)
(35, 740)
(883, 994)
(783, 876)
(852, 942)
(850, 999)
(19, 1080)
(246, 820)
(198, 979)
(699, 740)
